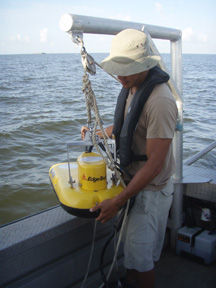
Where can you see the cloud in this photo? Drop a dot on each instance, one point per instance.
(203, 37)
(161, 11)
(159, 7)
(187, 34)
(43, 35)
(27, 39)
(18, 37)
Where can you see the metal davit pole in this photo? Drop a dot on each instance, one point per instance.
(96, 25)
(177, 206)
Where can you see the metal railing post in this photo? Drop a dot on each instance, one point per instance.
(177, 206)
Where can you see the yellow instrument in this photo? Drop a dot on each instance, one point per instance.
(92, 184)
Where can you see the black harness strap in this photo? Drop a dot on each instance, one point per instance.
(123, 129)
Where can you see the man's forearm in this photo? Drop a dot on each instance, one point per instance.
(108, 131)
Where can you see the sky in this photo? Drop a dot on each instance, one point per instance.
(29, 26)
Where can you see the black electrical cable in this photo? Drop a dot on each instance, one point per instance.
(121, 169)
(89, 149)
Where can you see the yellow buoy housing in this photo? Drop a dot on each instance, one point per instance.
(92, 184)
(91, 172)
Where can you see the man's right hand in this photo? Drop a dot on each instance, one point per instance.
(84, 129)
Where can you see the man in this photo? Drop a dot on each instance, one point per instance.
(145, 152)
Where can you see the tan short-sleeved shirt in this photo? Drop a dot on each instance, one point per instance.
(157, 120)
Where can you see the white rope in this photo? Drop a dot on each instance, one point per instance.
(91, 104)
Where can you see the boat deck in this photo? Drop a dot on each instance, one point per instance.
(173, 271)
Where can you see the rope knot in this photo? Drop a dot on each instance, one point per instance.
(111, 166)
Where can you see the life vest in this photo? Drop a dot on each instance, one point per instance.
(123, 128)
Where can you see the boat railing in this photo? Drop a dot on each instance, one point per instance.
(200, 154)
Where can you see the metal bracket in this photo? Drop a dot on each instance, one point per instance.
(71, 181)
(88, 62)
(76, 36)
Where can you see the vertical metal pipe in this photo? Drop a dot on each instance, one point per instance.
(176, 51)
(177, 206)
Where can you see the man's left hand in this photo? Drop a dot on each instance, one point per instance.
(108, 209)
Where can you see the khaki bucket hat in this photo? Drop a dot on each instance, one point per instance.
(129, 54)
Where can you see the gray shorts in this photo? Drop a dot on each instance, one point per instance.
(145, 230)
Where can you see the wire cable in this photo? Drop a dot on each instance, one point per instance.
(91, 253)
(121, 223)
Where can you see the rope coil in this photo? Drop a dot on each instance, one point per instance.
(91, 106)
